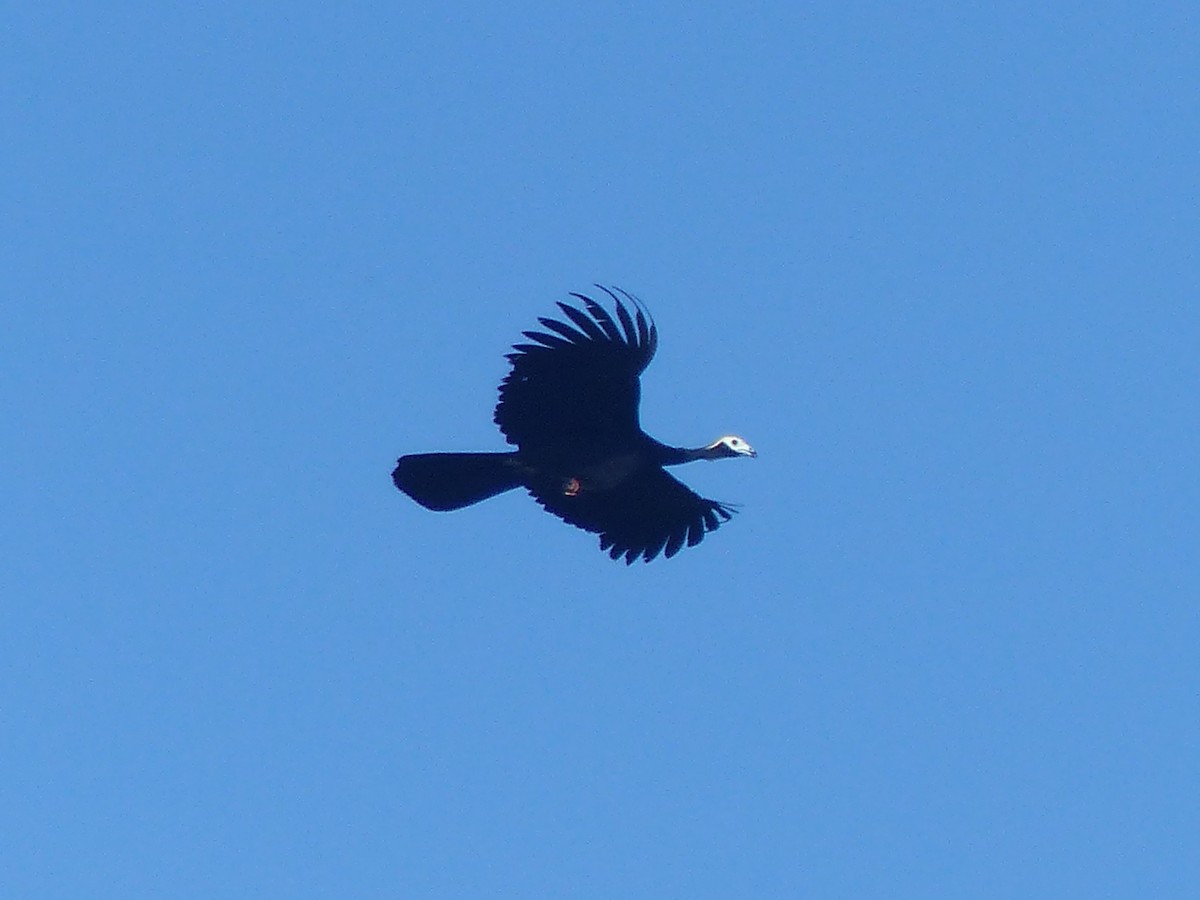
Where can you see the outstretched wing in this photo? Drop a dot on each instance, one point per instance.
(649, 513)
(576, 385)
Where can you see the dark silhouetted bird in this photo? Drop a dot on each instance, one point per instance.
(570, 407)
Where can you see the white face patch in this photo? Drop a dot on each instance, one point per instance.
(736, 444)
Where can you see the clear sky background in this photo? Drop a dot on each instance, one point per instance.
(938, 263)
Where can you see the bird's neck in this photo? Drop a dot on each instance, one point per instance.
(674, 456)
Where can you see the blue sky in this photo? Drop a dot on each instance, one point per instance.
(937, 264)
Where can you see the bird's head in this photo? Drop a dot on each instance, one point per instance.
(729, 445)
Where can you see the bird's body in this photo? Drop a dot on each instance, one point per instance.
(570, 407)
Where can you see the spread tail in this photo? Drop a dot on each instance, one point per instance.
(446, 481)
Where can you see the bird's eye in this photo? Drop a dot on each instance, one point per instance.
(734, 441)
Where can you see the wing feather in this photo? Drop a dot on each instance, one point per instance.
(648, 514)
(577, 386)
(627, 324)
(603, 319)
(583, 322)
(565, 330)
(542, 337)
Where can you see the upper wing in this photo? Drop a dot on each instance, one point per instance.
(648, 514)
(577, 386)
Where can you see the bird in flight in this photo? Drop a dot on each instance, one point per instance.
(570, 407)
